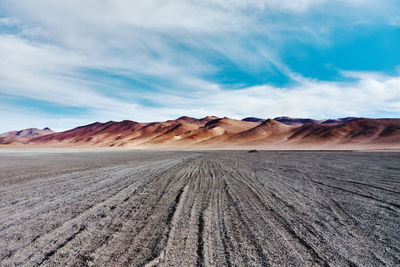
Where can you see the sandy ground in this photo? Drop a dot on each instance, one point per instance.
(228, 208)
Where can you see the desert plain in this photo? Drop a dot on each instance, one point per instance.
(199, 208)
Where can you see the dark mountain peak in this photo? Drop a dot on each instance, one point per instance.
(253, 119)
(290, 121)
(128, 122)
(95, 124)
(342, 120)
(283, 118)
(272, 123)
(187, 119)
(208, 118)
(214, 121)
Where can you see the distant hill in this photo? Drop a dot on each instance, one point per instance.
(31, 132)
(364, 131)
(266, 129)
(291, 121)
(22, 136)
(253, 119)
(220, 133)
(341, 120)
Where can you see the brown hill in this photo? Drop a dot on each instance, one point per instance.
(9, 140)
(213, 132)
(27, 133)
(298, 121)
(265, 131)
(164, 133)
(92, 134)
(365, 131)
(125, 133)
(22, 136)
(216, 132)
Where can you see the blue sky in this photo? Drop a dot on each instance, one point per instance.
(68, 63)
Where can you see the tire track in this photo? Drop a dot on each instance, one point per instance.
(200, 242)
(158, 253)
(203, 209)
(263, 259)
(49, 254)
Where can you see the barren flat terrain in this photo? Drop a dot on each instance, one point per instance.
(221, 208)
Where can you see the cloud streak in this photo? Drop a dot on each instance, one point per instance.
(153, 60)
(371, 95)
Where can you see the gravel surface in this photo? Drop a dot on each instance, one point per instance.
(230, 208)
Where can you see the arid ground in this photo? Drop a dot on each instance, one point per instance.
(220, 208)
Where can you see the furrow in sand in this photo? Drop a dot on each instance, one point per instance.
(395, 205)
(200, 241)
(87, 215)
(249, 231)
(202, 209)
(157, 253)
(188, 223)
(261, 206)
(148, 202)
(49, 254)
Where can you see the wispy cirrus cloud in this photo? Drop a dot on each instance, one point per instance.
(151, 60)
(371, 95)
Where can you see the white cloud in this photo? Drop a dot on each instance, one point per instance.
(371, 95)
(170, 41)
(365, 97)
(23, 118)
(45, 73)
(9, 21)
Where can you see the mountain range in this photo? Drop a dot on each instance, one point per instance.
(219, 133)
(23, 136)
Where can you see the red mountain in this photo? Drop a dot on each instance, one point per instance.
(22, 136)
(213, 132)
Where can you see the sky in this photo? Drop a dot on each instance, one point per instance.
(68, 63)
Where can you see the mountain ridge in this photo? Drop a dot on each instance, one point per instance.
(21, 136)
(213, 132)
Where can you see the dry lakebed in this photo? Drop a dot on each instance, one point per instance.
(206, 208)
